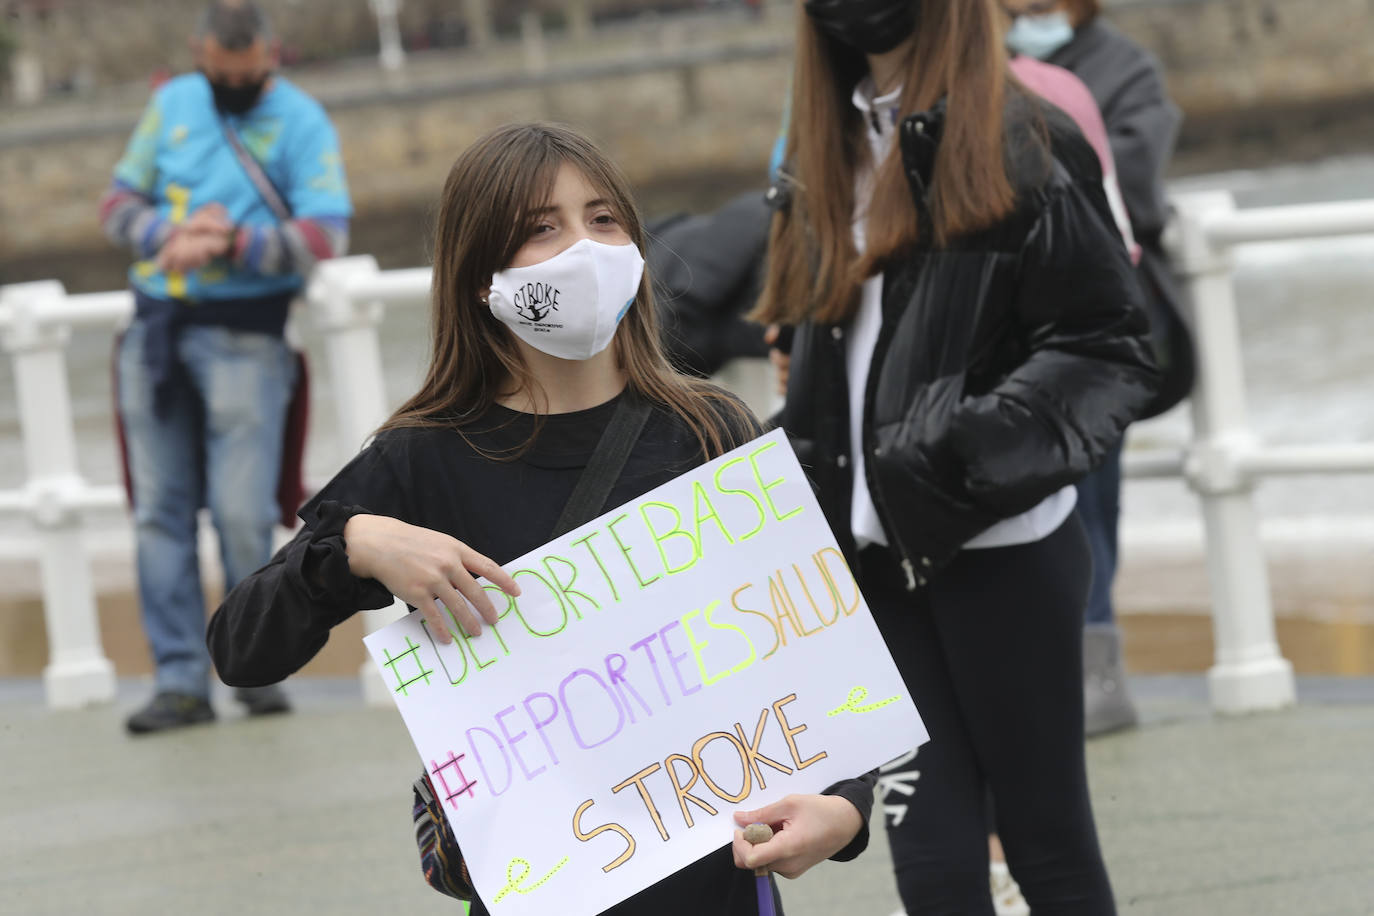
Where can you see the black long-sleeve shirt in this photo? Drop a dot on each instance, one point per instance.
(277, 619)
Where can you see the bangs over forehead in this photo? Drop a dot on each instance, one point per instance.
(526, 164)
(541, 199)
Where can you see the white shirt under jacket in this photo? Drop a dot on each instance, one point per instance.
(880, 124)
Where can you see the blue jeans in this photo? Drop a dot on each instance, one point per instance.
(218, 443)
(1099, 506)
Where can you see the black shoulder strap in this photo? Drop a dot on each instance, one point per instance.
(256, 174)
(603, 470)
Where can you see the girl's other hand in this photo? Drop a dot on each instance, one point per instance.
(419, 565)
(211, 219)
(185, 251)
(807, 829)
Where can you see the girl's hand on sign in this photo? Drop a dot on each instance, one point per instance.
(419, 565)
(807, 829)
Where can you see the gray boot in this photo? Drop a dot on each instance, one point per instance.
(263, 701)
(1106, 705)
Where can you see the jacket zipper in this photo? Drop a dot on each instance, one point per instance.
(910, 575)
(879, 353)
(875, 489)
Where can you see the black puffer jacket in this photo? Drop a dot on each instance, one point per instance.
(1008, 363)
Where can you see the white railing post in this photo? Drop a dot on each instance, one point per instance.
(78, 672)
(754, 381)
(1249, 673)
(532, 38)
(392, 55)
(354, 349)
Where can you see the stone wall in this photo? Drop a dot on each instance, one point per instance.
(1259, 80)
(658, 126)
(1221, 55)
(83, 44)
(1218, 53)
(1262, 82)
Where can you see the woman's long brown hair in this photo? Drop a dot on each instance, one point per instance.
(814, 270)
(487, 213)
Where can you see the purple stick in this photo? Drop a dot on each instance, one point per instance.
(756, 834)
(765, 889)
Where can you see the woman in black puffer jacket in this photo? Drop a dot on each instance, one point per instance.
(970, 340)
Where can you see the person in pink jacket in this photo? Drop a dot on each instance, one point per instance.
(1127, 82)
(1070, 95)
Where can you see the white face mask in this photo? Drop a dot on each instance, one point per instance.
(570, 305)
(1040, 36)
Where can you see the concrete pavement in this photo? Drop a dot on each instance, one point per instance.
(308, 813)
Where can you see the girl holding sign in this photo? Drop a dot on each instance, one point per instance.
(969, 341)
(544, 331)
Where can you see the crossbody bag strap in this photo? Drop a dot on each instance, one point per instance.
(256, 174)
(589, 497)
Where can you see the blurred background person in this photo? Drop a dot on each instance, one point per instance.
(708, 271)
(1142, 126)
(1067, 93)
(969, 342)
(230, 190)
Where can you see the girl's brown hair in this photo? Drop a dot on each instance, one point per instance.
(487, 213)
(814, 270)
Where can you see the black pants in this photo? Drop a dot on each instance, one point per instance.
(992, 654)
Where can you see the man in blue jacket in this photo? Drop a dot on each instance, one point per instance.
(231, 189)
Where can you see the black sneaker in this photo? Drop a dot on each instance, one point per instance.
(170, 710)
(263, 701)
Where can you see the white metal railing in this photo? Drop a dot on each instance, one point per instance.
(347, 297)
(1224, 459)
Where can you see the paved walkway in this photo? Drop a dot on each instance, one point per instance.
(1199, 816)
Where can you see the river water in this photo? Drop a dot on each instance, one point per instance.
(1306, 314)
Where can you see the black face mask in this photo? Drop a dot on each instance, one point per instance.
(237, 100)
(868, 26)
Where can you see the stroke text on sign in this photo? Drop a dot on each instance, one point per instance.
(681, 772)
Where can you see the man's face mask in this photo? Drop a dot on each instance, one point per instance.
(238, 99)
(867, 26)
(570, 305)
(1040, 35)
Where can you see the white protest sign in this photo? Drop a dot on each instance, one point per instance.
(700, 650)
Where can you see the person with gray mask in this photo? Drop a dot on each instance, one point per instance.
(1142, 124)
